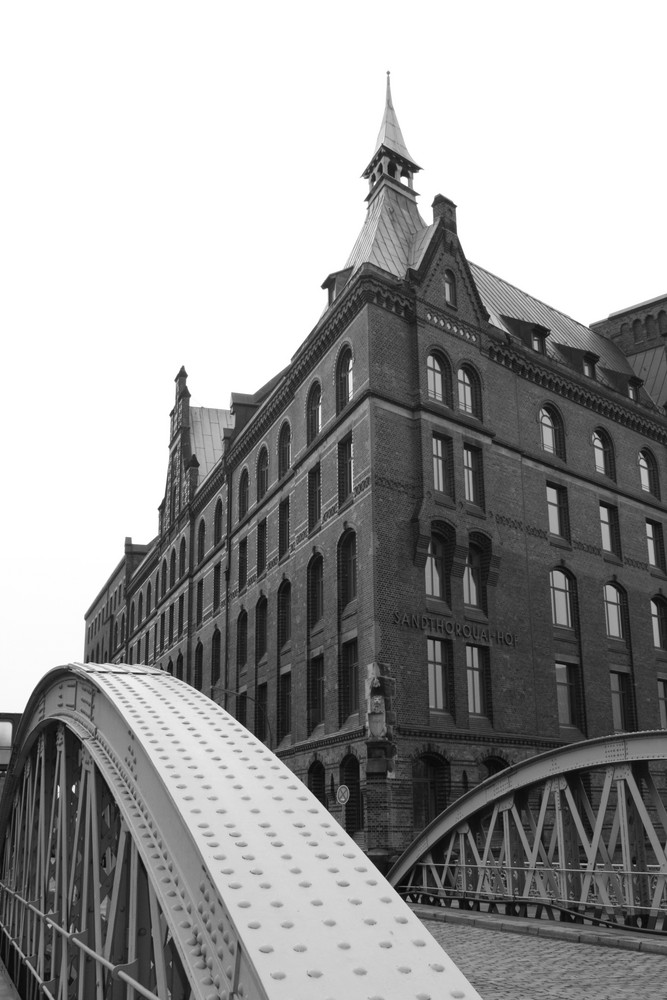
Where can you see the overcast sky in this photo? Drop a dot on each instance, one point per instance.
(177, 180)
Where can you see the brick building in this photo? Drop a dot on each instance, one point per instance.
(431, 546)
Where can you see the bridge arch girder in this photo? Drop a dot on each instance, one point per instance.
(149, 838)
(581, 829)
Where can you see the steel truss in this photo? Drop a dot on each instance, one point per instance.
(150, 847)
(576, 834)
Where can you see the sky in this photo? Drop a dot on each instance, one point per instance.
(178, 179)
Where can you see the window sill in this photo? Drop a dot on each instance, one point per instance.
(475, 614)
(444, 500)
(475, 510)
(315, 528)
(349, 610)
(611, 557)
(571, 734)
(658, 572)
(559, 542)
(438, 606)
(344, 504)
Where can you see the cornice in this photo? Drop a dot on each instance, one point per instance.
(307, 746)
(558, 383)
(366, 289)
(468, 736)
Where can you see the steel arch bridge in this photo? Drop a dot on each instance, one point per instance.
(577, 833)
(153, 848)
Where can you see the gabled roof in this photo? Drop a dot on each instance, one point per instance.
(651, 366)
(207, 435)
(504, 300)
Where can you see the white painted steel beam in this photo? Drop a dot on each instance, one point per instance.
(188, 837)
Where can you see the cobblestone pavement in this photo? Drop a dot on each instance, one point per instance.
(506, 966)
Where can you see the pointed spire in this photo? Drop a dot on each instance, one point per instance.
(390, 135)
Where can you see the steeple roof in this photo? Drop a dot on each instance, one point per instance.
(390, 135)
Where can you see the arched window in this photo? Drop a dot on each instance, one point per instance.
(201, 540)
(344, 387)
(472, 579)
(552, 434)
(648, 473)
(603, 451)
(172, 568)
(243, 494)
(179, 666)
(429, 789)
(450, 287)
(470, 395)
(349, 775)
(140, 609)
(164, 577)
(216, 651)
(284, 614)
(148, 599)
(131, 617)
(347, 568)
(662, 321)
(242, 640)
(316, 781)
(122, 628)
(313, 412)
(562, 599)
(434, 378)
(199, 666)
(615, 611)
(217, 523)
(284, 450)
(435, 570)
(181, 559)
(260, 629)
(170, 665)
(637, 331)
(315, 591)
(659, 622)
(262, 473)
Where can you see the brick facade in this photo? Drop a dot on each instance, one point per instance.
(426, 657)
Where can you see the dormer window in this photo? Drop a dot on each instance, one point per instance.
(537, 342)
(590, 360)
(633, 389)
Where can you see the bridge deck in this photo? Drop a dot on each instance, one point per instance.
(7, 990)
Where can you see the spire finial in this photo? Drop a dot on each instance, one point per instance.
(390, 131)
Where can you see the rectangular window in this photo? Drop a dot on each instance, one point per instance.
(440, 693)
(284, 704)
(162, 631)
(479, 686)
(569, 695)
(200, 601)
(146, 649)
(315, 692)
(243, 563)
(654, 544)
(181, 610)
(443, 478)
(472, 475)
(171, 624)
(156, 650)
(314, 497)
(283, 528)
(559, 519)
(611, 536)
(621, 705)
(217, 575)
(261, 709)
(261, 547)
(662, 702)
(349, 680)
(345, 469)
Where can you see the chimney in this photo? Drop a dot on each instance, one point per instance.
(445, 209)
